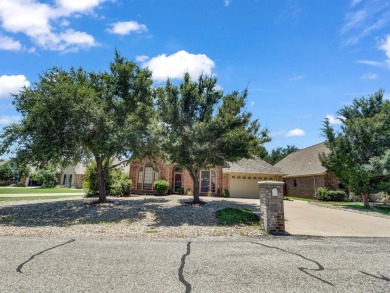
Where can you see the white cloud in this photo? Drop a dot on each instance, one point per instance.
(372, 63)
(369, 76)
(297, 77)
(355, 2)
(296, 132)
(6, 120)
(363, 19)
(44, 23)
(12, 84)
(385, 46)
(78, 5)
(333, 120)
(227, 3)
(127, 27)
(174, 66)
(142, 58)
(6, 43)
(252, 104)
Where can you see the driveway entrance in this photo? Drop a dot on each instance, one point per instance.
(307, 219)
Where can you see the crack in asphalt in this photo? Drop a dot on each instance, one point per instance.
(19, 268)
(181, 269)
(382, 277)
(302, 269)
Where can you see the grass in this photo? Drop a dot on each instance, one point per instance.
(233, 216)
(20, 198)
(97, 221)
(34, 190)
(349, 205)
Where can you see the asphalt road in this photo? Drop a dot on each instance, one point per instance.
(266, 264)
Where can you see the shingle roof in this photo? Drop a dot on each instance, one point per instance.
(254, 165)
(304, 162)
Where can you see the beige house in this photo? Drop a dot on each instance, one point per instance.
(73, 176)
(243, 176)
(305, 172)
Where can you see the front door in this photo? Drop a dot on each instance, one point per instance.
(177, 182)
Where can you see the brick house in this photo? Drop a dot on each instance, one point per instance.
(239, 178)
(305, 172)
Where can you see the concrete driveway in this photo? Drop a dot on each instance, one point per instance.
(303, 218)
(307, 219)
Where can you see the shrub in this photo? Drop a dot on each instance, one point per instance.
(226, 193)
(324, 194)
(117, 182)
(337, 195)
(46, 177)
(6, 172)
(189, 191)
(161, 186)
(321, 193)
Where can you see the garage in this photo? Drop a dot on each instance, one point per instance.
(244, 186)
(243, 177)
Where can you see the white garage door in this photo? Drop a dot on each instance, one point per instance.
(241, 186)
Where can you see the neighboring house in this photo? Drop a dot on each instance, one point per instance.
(73, 176)
(305, 172)
(239, 178)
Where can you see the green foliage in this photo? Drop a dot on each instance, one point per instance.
(321, 193)
(359, 154)
(117, 182)
(161, 186)
(6, 172)
(71, 116)
(226, 193)
(45, 176)
(233, 216)
(330, 195)
(277, 154)
(201, 127)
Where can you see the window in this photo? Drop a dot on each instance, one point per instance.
(233, 177)
(249, 177)
(207, 181)
(295, 182)
(147, 176)
(140, 178)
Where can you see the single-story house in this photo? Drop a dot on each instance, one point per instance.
(73, 176)
(239, 178)
(305, 172)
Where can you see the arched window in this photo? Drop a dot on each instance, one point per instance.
(147, 176)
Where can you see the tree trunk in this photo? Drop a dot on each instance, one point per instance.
(365, 200)
(195, 179)
(101, 183)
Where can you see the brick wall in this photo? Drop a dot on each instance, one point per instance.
(167, 172)
(78, 181)
(304, 186)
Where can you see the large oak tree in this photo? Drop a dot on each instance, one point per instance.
(202, 127)
(70, 116)
(359, 154)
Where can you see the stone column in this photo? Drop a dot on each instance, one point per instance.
(271, 206)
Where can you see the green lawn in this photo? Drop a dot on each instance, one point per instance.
(233, 216)
(349, 205)
(34, 190)
(20, 198)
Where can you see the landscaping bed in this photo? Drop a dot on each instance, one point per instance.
(141, 216)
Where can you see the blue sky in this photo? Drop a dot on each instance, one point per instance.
(301, 60)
